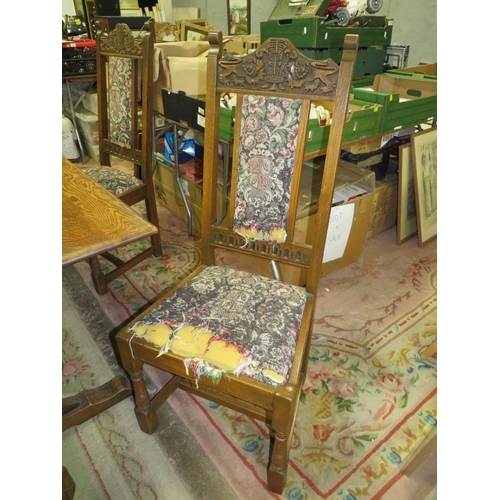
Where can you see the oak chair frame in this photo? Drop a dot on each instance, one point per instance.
(121, 42)
(298, 77)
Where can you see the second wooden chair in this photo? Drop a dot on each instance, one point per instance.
(125, 107)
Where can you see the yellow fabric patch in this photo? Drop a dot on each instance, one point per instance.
(156, 334)
(223, 356)
(190, 342)
(277, 235)
(271, 374)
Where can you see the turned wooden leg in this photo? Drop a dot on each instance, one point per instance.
(145, 411)
(68, 485)
(90, 402)
(158, 250)
(285, 407)
(98, 276)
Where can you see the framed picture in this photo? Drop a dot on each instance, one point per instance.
(132, 12)
(90, 14)
(166, 32)
(129, 4)
(194, 32)
(238, 17)
(199, 22)
(407, 211)
(79, 8)
(424, 161)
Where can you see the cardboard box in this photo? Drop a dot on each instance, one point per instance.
(241, 44)
(384, 211)
(423, 69)
(356, 238)
(406, 101)
(180, 66)
(348, 175)
(169, 195)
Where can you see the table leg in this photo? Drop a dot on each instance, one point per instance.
(68, 485)
(89, 403)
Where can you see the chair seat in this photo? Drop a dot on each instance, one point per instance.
(229, 321)
(114, 180)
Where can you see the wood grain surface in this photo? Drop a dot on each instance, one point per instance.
(94, 220)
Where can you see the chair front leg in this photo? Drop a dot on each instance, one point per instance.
(285, 407)
(145, 411)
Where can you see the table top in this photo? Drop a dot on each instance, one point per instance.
(95, 221)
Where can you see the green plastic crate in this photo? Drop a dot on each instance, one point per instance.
(405, 101)
(309, 32)
(226, 124)
(363, 121)
(363, 81)
(283, 10)
(405, 74)
(314, 33)
(369, 60)
(369, 36)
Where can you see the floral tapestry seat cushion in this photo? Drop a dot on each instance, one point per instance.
(114, 180)
(229, 321)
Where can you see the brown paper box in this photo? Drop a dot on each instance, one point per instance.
(385, 206)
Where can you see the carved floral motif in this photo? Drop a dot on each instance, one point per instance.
(121, 41)
(282, 66)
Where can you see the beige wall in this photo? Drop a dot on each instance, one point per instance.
(415, 24)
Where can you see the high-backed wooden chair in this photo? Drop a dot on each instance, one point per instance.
(237, 338)
(125, 107)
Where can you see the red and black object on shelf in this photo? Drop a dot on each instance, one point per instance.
(78, 57)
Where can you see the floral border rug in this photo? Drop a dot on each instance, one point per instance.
(369, 399)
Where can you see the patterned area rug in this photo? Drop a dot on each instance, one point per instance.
(104, 458)
(369, 399)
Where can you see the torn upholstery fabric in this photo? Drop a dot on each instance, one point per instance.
(229, 321)
(269, 129)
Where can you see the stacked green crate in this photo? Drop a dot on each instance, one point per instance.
(406, 100)
(320, 39)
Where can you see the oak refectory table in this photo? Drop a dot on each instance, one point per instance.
(94, 221)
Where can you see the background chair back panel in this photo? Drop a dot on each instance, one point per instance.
(126, 60)
(121, 83)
